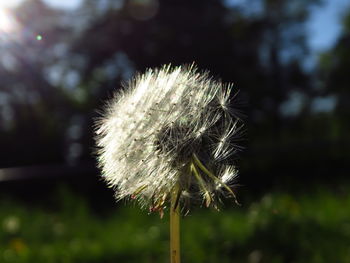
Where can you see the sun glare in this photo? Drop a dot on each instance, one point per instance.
(8, 23)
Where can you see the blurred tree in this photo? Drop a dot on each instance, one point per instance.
(33, 111)
(261, 51)
(334, 73)
(333, 84)
(85, 54)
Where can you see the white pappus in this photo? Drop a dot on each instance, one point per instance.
(170, 126)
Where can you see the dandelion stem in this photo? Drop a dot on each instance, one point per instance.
(175, 226)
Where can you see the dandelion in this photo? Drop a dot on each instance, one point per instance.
(170, 136)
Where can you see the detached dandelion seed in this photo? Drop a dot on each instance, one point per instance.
(170, 136)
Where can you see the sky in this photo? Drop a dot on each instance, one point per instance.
(323, 27)
(70, 4)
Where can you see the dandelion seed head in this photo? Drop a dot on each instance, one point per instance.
(168, 126)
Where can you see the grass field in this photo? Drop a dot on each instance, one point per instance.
(278, 227)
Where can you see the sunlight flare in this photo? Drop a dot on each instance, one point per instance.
(8, 23)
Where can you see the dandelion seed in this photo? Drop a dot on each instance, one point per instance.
(170, 127)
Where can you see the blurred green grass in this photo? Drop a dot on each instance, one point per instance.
(313, 226)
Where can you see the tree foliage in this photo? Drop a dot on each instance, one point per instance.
(50, 89)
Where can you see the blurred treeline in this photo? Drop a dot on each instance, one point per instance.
(296, 104)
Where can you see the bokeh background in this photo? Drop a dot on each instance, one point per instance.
(290, 60)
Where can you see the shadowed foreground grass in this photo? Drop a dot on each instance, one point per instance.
(313, 227)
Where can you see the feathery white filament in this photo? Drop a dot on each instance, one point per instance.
(170, 126)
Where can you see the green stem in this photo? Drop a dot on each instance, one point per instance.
(175, 226)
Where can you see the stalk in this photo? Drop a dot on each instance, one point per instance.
(175, 226)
